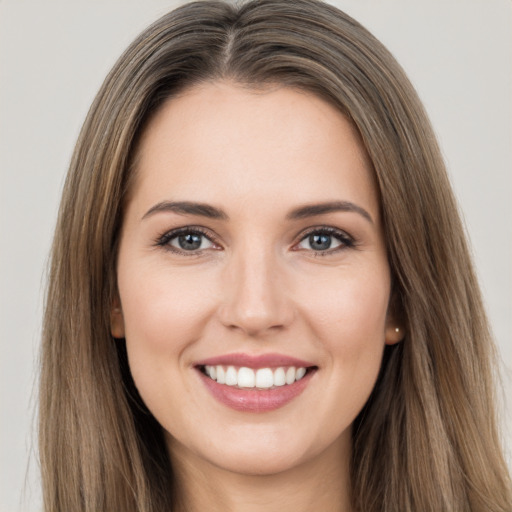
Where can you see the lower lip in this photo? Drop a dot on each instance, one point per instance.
(255, 400)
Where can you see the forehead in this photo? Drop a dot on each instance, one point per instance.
(220, 139)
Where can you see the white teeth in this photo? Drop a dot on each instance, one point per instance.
(231, 376)
(221, 375)
(263, 378)
(246, 378)
(279, 377)
(300, 373)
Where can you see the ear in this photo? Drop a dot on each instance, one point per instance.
(395, 330)
(117, 319)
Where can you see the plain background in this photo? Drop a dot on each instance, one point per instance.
(53, 58)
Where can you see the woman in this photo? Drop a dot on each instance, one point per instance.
(254, 299)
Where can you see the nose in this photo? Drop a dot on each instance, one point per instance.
(255, 299)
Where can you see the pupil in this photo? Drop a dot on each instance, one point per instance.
(320, 242)
(190, 241)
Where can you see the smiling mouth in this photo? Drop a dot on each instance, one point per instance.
(258, 379)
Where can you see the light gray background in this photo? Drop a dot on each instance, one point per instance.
(53, 58)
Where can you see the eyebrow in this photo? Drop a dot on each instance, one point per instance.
(187, 208)
(211, 212)
(329, 207)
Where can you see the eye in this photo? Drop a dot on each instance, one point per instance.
(190, 242)
(325, 240)
(186, 240)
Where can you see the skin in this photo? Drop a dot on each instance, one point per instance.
(256, 286)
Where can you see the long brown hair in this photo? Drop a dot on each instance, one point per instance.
(427, 438)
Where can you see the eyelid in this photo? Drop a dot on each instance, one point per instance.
(164, 239)
(347, 240)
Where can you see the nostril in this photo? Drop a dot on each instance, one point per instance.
(254, 301)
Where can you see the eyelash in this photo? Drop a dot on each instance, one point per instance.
(165, 239)
(346, 241)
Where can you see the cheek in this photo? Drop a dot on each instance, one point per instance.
(162, 309)
(348, 317)
(164, 312)
(349, 323)
(350, 305)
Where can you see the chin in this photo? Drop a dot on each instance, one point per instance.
(258, 462)
(260, 452)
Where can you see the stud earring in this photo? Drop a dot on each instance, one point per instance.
(397, 329)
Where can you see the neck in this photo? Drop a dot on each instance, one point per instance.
(321, 483)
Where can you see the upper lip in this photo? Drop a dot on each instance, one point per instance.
(270, 360)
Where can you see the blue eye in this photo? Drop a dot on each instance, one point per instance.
(325, 240)
(190, 241)
(186, 240)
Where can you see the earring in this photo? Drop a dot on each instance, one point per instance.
(397, 329)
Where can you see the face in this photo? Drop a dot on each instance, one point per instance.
(252, 276)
